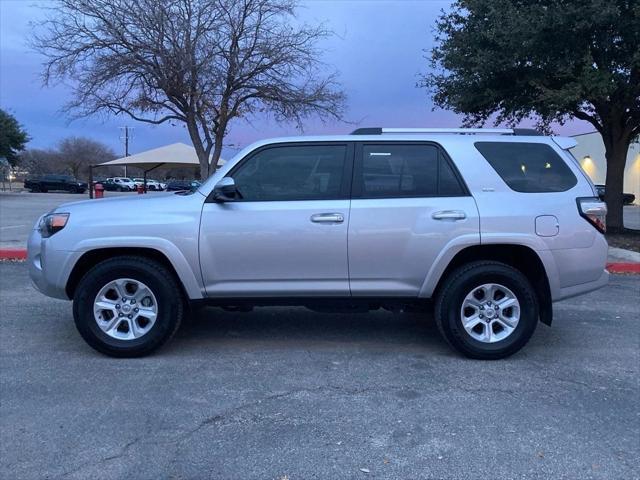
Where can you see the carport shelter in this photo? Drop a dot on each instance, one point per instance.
(176, 155)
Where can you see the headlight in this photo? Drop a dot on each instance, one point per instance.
(52, 223)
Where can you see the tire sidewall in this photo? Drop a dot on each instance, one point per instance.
(451, 304)
(169, 309)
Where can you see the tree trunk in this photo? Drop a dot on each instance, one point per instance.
(201, 151)
(616, 155)
(217, 151)
(203, 158)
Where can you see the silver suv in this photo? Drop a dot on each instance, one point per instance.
(485, 227)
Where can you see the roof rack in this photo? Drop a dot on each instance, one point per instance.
(465, 131)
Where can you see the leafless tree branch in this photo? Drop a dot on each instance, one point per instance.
(200, 62)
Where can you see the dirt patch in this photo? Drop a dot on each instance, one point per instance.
(629, 239)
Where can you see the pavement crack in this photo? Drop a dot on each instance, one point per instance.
(245, 406)
(123, 451)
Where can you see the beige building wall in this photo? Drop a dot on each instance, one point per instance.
(590, 154)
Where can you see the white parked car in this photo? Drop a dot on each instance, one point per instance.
(486, 227)
(151, 184)
(122, 184)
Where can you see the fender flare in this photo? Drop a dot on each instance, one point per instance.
(190, 280)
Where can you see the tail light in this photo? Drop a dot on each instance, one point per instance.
(594, 211)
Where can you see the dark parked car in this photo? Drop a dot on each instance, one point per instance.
(46, 183)
(181, 185)
(627, 198)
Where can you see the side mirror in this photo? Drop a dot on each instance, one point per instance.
(225, 190)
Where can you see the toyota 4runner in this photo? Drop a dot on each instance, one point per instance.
(487, 227)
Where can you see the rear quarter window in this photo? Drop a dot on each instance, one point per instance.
(528, 167)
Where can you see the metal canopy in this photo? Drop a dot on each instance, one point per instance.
(175, 155)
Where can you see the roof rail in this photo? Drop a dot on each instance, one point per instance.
(493, 131)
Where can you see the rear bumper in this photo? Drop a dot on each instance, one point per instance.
(575, 271)
(575, 290)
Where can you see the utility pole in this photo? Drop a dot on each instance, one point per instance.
(126, 145)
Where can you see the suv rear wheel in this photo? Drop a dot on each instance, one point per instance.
(487, 310)
(128, 306)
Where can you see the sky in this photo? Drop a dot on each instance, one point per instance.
(378, 50)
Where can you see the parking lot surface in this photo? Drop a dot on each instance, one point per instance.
(19, 211)
(289, 393)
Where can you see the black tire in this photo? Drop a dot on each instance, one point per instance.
(464, 280)
(119, 188)
(157, 277)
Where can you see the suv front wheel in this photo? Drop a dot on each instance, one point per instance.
(486, 310)
(128, 306)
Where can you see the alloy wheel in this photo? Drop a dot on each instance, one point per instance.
(125, 309)
(490, 313)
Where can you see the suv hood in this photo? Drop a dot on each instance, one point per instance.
(133, 204)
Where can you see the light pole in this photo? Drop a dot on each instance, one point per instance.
(125, 137)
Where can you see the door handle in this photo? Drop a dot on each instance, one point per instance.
(327, 218)
(449, 215)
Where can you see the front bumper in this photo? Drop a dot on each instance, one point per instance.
(49, 269)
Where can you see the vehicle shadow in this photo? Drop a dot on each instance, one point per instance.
(302, 327)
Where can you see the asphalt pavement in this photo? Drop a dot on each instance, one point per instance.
(20, 210)
(286, 393)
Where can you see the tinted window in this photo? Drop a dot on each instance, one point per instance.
(528, 167)
(292, 173)
(406, 171)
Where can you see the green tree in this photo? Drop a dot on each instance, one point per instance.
(552, 60)
(13, 138)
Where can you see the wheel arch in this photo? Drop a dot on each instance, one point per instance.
(520, 257)
(92, 257)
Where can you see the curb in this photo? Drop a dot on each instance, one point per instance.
(616, 267)
(620, 267)
(13, 254)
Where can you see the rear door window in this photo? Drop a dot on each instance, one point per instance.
(397, 170)
(528, 167)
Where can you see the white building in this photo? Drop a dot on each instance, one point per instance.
(590, 154)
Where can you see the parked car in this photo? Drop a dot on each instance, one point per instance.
(627, 198)
(47, 183)
(182, 185)
(486, 227)
(151, 184)
(119, 184)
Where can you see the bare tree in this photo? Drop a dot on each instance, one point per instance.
(37, 161)
(73, 156)
(198, 62)
(77, 153)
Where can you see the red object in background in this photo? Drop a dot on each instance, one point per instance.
(140, 189)
(99, 189)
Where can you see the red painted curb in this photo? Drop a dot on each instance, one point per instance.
(13, 254)
(623, 267)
